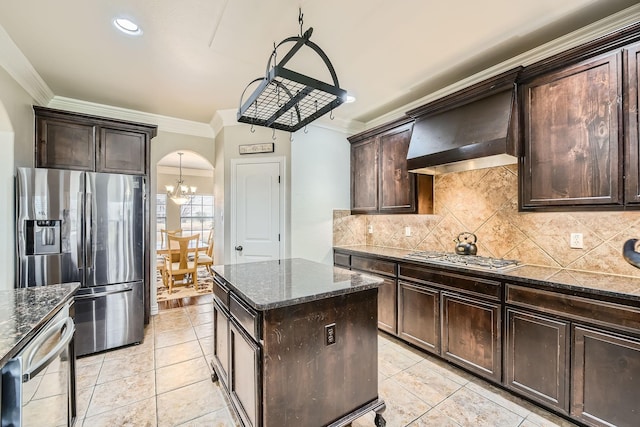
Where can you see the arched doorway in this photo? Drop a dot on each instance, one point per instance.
(193, 216)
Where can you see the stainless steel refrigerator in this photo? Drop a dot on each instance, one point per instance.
(86, 227)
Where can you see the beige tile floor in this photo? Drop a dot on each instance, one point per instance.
(166, 381)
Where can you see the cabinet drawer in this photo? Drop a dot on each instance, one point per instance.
(466, 284)
(343, 260)
(245, 316)
(221, 292)
(386, 268)
(577, 308)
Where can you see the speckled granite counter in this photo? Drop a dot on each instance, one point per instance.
(272, 284)
(24, 311)
(625, 287)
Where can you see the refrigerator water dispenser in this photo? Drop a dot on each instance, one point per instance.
(43, 237)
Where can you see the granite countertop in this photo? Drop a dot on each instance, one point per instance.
(612, 285)
(23, 311)
(272, 284)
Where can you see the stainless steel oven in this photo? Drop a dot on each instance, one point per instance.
(38, 385)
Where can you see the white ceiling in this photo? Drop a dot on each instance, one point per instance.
(196, 56)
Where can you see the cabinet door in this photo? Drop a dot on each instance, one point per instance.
(397, 185)
(221, 344)
(245, 375)
(572, 140)
(419, 316)
(387, 305)
(605, 378)
(364, 176)
(632, 131)
(64, 144)
(471, 334)
(536, 358)
(122, 151)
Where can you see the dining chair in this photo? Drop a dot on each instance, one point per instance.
(178, 248)
(206, 259)
(164, 233)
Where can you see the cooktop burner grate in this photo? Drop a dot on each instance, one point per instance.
(486, 263)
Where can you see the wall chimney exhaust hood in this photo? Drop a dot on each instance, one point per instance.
(473, 128)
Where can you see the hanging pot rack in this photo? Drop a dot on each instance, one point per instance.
(285, 99)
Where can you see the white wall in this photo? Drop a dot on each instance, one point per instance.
(16, 146)
(320, 173)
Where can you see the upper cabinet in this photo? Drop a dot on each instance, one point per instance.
(580, 127)
(67, 140)
(380, 180)
(572, 142)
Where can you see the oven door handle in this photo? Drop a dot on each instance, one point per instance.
(33, 369)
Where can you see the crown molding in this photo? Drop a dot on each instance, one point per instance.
(615, 22)
(20, 69)
(164, 123)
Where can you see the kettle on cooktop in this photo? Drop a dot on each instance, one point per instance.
(466, 244)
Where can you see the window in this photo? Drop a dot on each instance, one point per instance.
(161, 217)
(197, 216)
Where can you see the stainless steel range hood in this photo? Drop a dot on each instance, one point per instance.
(473, 128)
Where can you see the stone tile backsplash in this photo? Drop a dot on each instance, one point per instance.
(485, 202)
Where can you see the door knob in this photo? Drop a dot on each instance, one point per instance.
(238, 248)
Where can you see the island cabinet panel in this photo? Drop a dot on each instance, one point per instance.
(419, 316)
(221, 343)
(632, 129)
(537, 357)
(244, 384)
(572, 135)
(606, 377)
(314, 380)
(471, 334)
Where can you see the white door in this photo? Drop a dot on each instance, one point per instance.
(256, 210)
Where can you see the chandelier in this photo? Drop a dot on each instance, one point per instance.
(180, 193)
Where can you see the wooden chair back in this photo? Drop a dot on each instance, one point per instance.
(163, 236)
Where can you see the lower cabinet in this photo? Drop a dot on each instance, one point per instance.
(221, 343)
(537, 357)
(471, 334)
(387, 307)
(419, 316)
(605, 378)
(244, 387)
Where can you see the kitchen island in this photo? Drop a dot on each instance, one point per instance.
(295, 343)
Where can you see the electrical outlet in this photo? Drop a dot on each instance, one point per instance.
(330, 334)
(575, 241)
(370, 229)
(407, 231)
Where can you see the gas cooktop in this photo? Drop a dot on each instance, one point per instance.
(474, 261)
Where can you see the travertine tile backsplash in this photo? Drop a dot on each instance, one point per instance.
(485, 202)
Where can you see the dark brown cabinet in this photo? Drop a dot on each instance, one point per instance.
(221, 343)
(66, 140)
(572, 135)
(387, 292)
(537, 357)
(380, 180)
(244, 387)
(419, 316)
(632, 129)
(606, 377)
(471, 334)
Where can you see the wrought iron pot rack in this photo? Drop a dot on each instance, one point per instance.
(287, 100)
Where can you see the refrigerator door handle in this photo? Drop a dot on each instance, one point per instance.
(101, 294)
(79, 255)
(89, 229)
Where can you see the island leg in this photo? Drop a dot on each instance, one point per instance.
(214, 375)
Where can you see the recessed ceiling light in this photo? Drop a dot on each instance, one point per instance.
(127, 26)
(350, 99)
